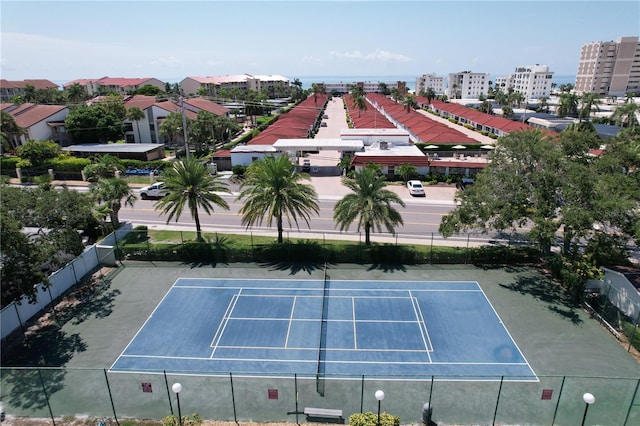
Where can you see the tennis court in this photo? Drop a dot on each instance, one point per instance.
(342, 328)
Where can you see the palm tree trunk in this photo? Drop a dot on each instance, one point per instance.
(367, 234)
(280, 229)
(196, 218)
(115, 220)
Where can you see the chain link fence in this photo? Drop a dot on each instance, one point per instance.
(61, 392)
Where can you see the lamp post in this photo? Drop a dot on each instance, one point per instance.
(588, 400)
(177, 388)
(379, 397)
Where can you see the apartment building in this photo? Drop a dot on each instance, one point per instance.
(11, 88)
(533, 81)
(121, 86)
(609, 68)
(467, 85)
(367, 86)
(430, 80)
(274, 85)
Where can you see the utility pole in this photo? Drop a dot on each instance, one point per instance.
(184, 128)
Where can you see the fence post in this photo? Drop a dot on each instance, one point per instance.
(113, 407)
(362, 395)
(555, 412)
(166, 383)
(431, 250)
(635, 392)
(495, 413)
(633, 335)
(46, 396)
(233, 398)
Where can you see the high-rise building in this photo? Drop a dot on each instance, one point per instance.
(609, 68)
(533, 81)
(467, 85)
(430, 80)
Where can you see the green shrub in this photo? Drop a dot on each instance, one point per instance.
(192, 420)
(8, 163)
(65, 163)
(371, 419)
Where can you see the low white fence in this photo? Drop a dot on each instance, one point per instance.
(15, 315)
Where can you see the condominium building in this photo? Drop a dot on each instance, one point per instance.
(273, 85)
(430, 80)
(533, 81)
(467, 85)
(609, 68)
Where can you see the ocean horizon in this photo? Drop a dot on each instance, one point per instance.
(308, 80)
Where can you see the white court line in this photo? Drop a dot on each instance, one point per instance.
(353, 318)
(225, 321)
(143, 324)
(423, 327)
(293, 307)
(507, 331)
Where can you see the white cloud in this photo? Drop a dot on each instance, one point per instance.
(377, 55)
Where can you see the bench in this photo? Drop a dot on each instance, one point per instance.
(319, 414)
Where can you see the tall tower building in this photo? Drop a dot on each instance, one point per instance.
(430, 80)
(467, 85)
(609, 68)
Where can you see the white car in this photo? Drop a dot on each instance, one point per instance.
(415, 188)
(157, 190)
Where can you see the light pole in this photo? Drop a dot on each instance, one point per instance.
(177, 388)
(588, 400)
(379, 397)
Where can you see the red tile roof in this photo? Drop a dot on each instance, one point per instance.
(171, 107)
(424, 128)
(123, 82)
(294, 124)
(141, 101)
(207, 105)
(37, 83)
(26, 115)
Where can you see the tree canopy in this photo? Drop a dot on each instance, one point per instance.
(273, 190)
(554, 187)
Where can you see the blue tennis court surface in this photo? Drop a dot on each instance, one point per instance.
(350, 328)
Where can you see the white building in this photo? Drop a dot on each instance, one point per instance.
(430, 80)
(533, 81)
(467, 85)
(274, 85)
(609, 68)
(367, 86)
(40, 122)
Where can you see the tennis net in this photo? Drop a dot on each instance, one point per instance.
(323, 334)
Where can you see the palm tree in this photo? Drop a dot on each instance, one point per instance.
(360, 102)
(568, 105)
(396, 94)
(544, 104)
(369, 202)
(109, 194)
(273, 190)
(409, 103)
(76, 93)
(430, 94)
(190, 183)
(103, 167)
(626, 113)
(10, 131)
(588, 102)
(136, 114)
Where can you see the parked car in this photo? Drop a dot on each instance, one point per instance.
(325, 116)
(415, 188)
(323, 124)
(306, 165)
(464, 182)
(157, 190)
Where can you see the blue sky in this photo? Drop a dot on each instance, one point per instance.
(170, 40)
